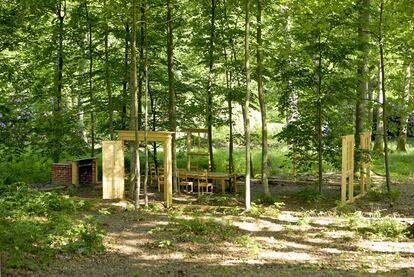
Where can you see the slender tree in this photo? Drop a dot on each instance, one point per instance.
(134, 105)
(379, 134)
(146, 83)
(108, 82)
(210, 85)
(405, 99)
(171, 93)
(247, 103)
(58, 83)
(91, 94)
(361, 123)
(265, 170)
(384, 104)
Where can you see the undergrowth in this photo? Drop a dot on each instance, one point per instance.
(35, 226)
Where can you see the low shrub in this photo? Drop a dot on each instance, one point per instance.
(381, 194)
(34, 226)
(310, 195)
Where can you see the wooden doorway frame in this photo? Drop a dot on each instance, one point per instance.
(166, 139)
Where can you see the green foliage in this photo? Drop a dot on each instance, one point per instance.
(218, 199)
(310, 195)
(381, 194)
(36, 225)
(264, 210)
(27, 167)
(376, 226)
(263, 199)
(387, 227)
(196, 229)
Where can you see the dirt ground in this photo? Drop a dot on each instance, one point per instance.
(304, 239)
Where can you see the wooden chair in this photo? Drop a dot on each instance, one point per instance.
(232, 177)
(203, 183)
(184, 182)
(160, 179)
(153, 174)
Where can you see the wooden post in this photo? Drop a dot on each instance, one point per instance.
(113, 169)
(365, 167)
(347, 177)
(168, 172)
(188, 150)
(75, 173)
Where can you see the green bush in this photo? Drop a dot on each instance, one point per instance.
(28, 167)
(310, 195)
(36, 225)
(380, 194)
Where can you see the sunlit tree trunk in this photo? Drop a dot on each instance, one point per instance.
(361, 123)
(210, 85)
(384, 113)
(146, 83)
(229, 86)
(108, 78)
(91, 94)
(265, 170)
(125, 82)
(247, 103)
(172, 100)
(379, 134)
(134, 105)
(402, 138)
(57, 101)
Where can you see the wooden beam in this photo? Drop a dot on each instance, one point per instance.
(167, 172)
(152, 135)
(197, 130)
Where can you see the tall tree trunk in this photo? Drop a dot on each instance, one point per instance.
(210, 85)
(265, 170)
(361, 118)
(57, 105)
(153, 127)
(229, 80)
(171, 92)
(384, 113)
(318, 65)
(379, 134)
(125, 83)
(108, 78)
(402, 138)
(247, 103)
(91, 96)
(134, 104)
(146, 79)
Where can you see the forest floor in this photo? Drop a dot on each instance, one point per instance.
(209, 237)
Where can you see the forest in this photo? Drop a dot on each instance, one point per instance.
(206, 138)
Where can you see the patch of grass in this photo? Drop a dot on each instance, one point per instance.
(263, 199)
(250, 243)
(305, 220)
(376, 226)
(34, 226)
(196, 230)
(218, 199)
(261, 210)
(400, 162)
(310, 195)
(387, 227)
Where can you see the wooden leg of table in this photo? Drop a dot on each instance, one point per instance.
(223, 185)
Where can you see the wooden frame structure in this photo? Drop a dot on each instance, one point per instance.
(113, 163)
(199, 151)
(347, 176)
(365, 164)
